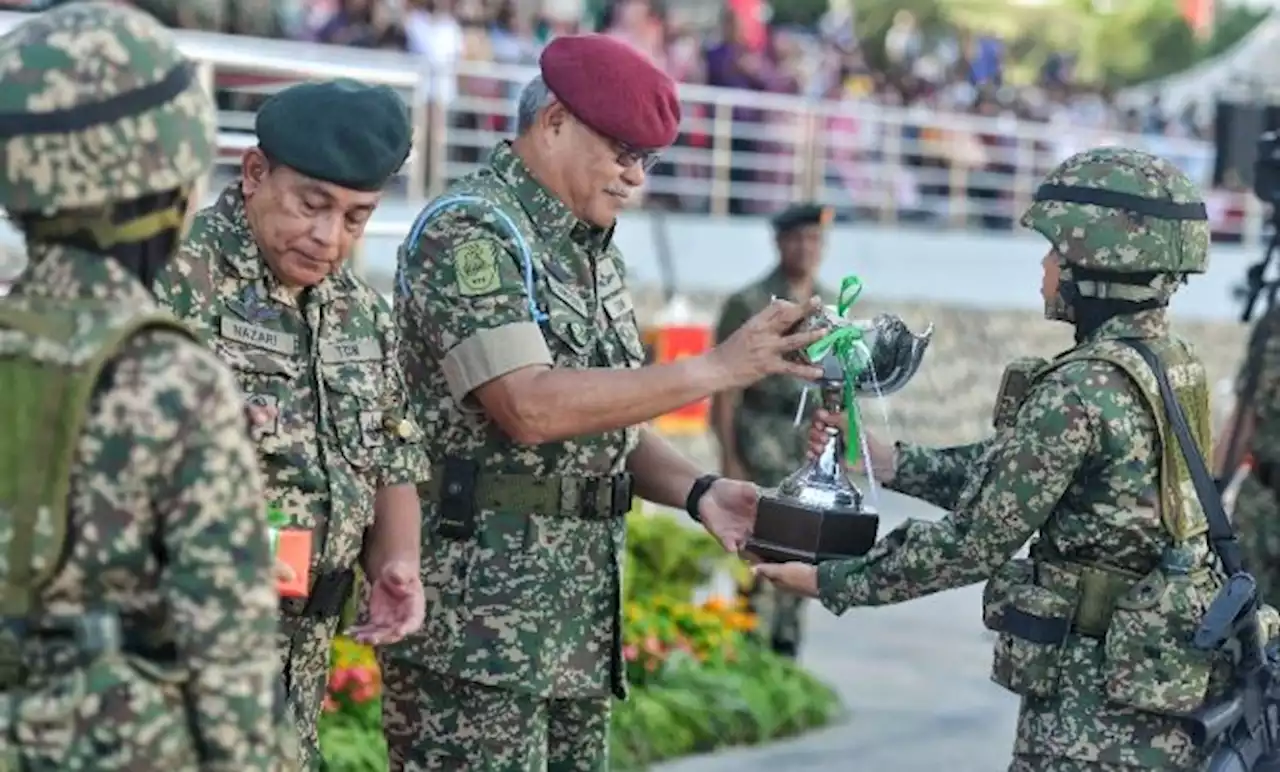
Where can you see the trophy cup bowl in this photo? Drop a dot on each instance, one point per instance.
(816, 514)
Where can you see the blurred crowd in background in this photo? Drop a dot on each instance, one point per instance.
(940, 158)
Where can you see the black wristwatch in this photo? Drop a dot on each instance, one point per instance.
(699, 489)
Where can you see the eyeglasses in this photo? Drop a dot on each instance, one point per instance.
(627, 157)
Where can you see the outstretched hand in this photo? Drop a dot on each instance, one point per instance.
(883, 456)
(797, 578)
(728, 512)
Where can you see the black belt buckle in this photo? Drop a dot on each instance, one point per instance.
(589, 497)
(620, 500)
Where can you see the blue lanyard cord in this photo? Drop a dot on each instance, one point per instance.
(448, 202)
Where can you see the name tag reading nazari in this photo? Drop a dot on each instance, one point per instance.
(258, 336)
(359, 350)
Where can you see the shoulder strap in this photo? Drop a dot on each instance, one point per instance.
(508, 225)
(1222, 537)
(46, 388)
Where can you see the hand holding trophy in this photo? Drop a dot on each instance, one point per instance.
(817, 514)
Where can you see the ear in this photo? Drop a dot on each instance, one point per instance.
(254, 169)
(554, 118)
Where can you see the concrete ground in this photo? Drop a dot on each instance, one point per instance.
(913, 678)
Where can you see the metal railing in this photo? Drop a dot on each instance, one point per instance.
(739, 152)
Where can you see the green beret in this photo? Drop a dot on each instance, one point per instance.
(340, 131)
(800, 215)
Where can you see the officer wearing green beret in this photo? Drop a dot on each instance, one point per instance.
(755, 426)
(262, 277)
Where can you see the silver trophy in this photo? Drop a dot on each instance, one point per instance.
(817, 514)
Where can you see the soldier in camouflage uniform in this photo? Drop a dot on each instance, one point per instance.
(262, 277)
(525, 370)
(137, 594)
(1257, 504)
(756, 427)
(1093, 628)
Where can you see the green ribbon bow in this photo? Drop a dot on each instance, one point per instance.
(849, 349)
(276, 521)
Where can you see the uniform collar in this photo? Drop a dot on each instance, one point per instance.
(239, 249)
(58, 271)
(1152, 323)
(549, 215)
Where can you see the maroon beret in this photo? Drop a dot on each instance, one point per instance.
(614, 89)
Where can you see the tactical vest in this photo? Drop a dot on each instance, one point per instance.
(52, 354)
(1143, 621)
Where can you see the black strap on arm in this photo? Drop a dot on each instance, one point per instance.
(1222, 537)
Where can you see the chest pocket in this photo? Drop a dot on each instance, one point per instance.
(572, 334)
(622, 319)
(353, 380)
(269, 380)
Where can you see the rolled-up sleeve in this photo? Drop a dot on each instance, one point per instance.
(465, 287)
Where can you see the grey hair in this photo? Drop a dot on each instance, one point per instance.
(534, 97)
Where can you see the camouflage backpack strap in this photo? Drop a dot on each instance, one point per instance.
(1181, 518)
(505, 224)
(51, 357)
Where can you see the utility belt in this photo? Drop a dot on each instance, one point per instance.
(1143, 624)
(32, 646)
(461, 490)
(328, 596)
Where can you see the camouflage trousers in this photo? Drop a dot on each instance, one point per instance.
(305, 645)
(1058, 764)
(780, 615)
(437, 723)
(1257, 518)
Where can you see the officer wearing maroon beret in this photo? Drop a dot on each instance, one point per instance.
(526, 371)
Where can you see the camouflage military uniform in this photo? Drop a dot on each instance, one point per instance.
(137, 583)
(518, 658)
(1085, 461)
(1257, 508)
(770, 447)
(327, 364)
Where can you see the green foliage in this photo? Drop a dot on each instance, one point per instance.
(1117, 43)
(801, 13)
(692, 707)
(665, 556)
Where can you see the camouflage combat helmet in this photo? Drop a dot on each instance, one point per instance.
(98, 106)
(1122, 211)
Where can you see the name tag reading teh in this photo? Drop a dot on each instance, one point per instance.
(258, 336)
(618, 306)
(360, 350)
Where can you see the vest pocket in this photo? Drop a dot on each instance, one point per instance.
(1150, 662)
(1032, 623)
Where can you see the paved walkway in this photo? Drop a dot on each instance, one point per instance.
(914, 679)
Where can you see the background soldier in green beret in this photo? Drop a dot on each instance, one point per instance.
(526, 370)
(130, 499)
(262, 276)
(756, 426)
